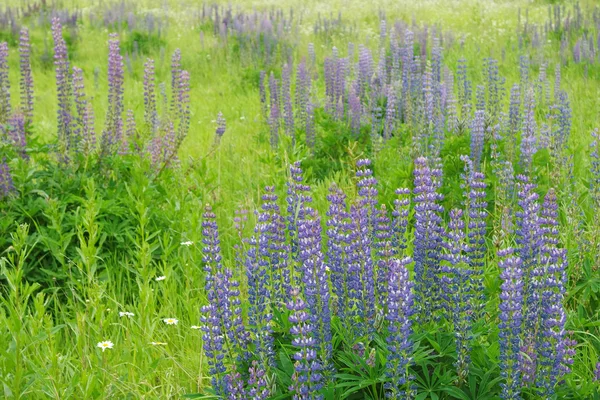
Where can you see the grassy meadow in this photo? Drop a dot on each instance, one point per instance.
(479, 279)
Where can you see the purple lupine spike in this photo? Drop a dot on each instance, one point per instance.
(514, 121)
(480, 98)
(234, 386)
(365, 70)
(5, 108)
(303, 84)
(298, 196)
(557, 89)
(511, 316)
(275, 114)
(175, 81)
(337, 242)
(401, 308)
(263, 96)
(83, 131)
(26, 81)
(150, 113)
(310, 124)
(400, 221)
(315, 283)
(524, 71)
(288, 111)
(595, 168)
(6, 181)
(329, 72)
(257, 383)
(130, 137)
(427, 242)
(307, 379)
(221, 126)
(113, 127)
(384, 251)
(597, 372)
(529, 133)
(354, 110)
(63, 85)
(222, 316)
(428, 95)
(475, 222)
(183, 104)
(339, 92)
(492, 88)
(529, 240)
(14, 131)
(552, 339)
(477, 137)
(457, 293)
(562, 132)
(464, 89)
(390, 113)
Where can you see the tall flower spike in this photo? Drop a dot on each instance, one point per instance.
(5, 108)
(113, 127)
(511, 316)
(458, 291)
(288, 111)
(15, 133)
(477, 137)
(307, 378)
(221, 126)
(63, 86)
(175, 81)
(315, 283)
(150, 113)
(274, 110)
(337, 242)
(428, 237)
(529, 135)
(400, 221)
(399, 317)
(6, 182)
(552, 341)
(183, 104)
(26, 81)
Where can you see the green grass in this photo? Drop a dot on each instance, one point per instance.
(113, 235)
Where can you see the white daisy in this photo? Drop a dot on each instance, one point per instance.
(107, 344)
(160, 278)
(126, 314)
(188, 243)
(171, 321)
(158, 343)
(195, 327)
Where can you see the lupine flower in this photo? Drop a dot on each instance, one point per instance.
(5, 108)
(221, 126)
(464, 88)
(477, 137)
(529, 135)
(175, 81)
(384, 251)
(14, 131)
(6, 181)
(400, 221)
(315, 283)
(26, 81)
(183, 104)
(263, 96)
(428, 237)
(307, 378)
(552, 341)
(511, 315)
(286, 94)
(107, 344)
(257, 383)
(514, 114)
(113, 127)
(399, 317)
(310, 124)
(302, 98)
(597, 372)
(83, 132)
(458, 290)
(274, 111)
(390, 113)
(337, 242)
(150, 113)
(475, 223)
(63, 84)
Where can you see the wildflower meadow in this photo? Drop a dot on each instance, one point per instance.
(253, 200)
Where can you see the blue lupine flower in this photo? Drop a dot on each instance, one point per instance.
(399, 317)
(511, 316)
(337, 243)
(307, 379)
